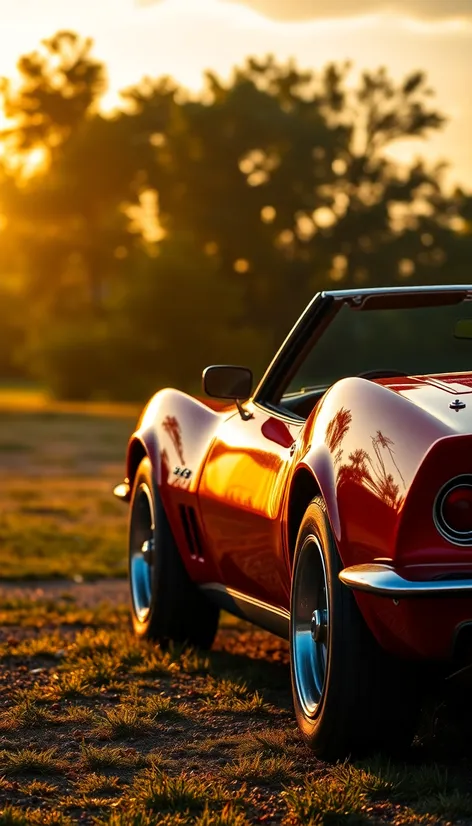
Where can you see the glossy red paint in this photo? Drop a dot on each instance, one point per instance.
(364, 445)
(241, 496)
(416, 628)
(175, 431)
(277, 431)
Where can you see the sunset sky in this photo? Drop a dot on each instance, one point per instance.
(183, 37)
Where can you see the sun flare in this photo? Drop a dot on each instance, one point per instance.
(182, 38)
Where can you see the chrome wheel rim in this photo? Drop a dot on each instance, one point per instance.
(310, 626)
(141, 552)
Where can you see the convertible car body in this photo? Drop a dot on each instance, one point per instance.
(331, 506)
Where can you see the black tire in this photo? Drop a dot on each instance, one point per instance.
(357, 699)
(166, 606)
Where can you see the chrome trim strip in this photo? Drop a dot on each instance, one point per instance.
(384, 581)
(273, 619)
(408, 290)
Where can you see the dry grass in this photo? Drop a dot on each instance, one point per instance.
(59, 464)
(165, 740)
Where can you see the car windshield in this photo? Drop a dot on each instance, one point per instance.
(411, 340)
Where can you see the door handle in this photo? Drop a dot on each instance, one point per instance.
(293, 448)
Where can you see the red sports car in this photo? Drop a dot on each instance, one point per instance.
(332, 505)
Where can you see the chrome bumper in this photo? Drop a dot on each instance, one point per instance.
(385, 581)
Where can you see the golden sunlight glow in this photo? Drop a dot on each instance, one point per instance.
(211, 248)
(241, 266)
(324, 217)
(111, 101)
(458, 25)
(268, 214)
(306, 229)
(144, 217)
(181, 38)
(33, 161)
(406, 267)
(29, 163)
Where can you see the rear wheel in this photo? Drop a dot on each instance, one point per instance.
(166, 606)
(350, 697)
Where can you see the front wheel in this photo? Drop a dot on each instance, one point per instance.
(166, 606)
(350, 697)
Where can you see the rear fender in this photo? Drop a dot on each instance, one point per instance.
(418, 541)
(320, 461)
(364, 444)
(379, 461)
(426, 626)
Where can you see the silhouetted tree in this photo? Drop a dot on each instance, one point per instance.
(183, 230)
(59, 84)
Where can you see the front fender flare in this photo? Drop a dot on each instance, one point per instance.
(138, 449)
(141, 444)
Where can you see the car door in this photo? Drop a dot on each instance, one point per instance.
(241, 495)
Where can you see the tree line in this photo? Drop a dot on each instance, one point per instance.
(138, 246)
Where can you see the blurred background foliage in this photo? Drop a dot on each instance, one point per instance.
(138, 246)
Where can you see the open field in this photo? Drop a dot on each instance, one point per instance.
(98, 729)
(58, 465)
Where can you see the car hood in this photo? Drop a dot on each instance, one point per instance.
(447, 397)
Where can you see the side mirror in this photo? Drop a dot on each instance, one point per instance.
(225, 381)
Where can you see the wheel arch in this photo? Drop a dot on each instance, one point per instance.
(136, 453)
(304, 488)
(314, 476)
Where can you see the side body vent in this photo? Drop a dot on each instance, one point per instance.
(192, 531)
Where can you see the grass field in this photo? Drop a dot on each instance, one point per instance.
(98, 729)
(59, 463)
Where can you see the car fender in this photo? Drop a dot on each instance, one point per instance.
(319, 461)
(363, 445)
(176, 431)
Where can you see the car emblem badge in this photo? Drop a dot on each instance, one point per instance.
(183, 472)
(457, 405)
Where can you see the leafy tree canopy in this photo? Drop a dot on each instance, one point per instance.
(178, 230)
